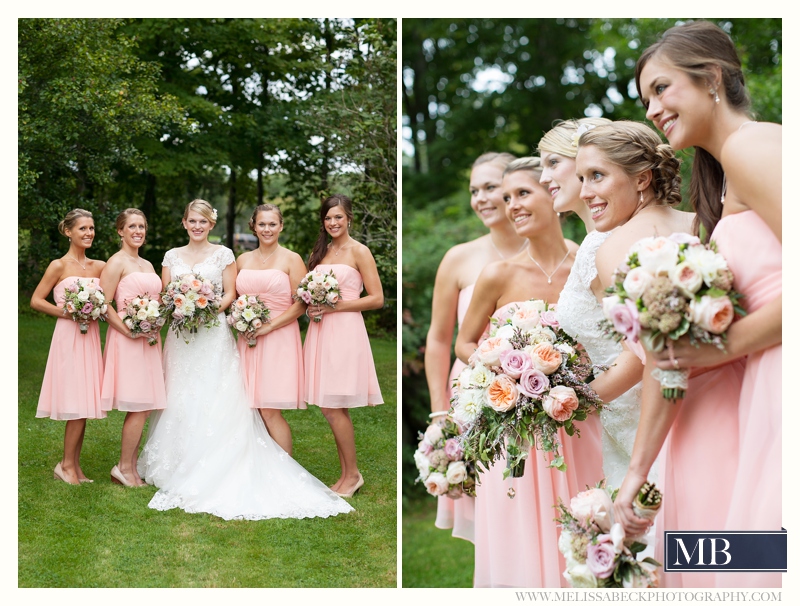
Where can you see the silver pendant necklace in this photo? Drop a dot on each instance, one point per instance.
(549, 276)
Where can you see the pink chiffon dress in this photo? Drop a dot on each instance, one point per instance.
(74, 371)
(273, 368)
(516, 539)
(458, 514)
(755, 502)
(339, 368)
(133, 379)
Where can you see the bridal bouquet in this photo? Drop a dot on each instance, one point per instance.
(524, 382)
(596, 550)
(667, 288)
(246, 314)
(440, 461)
(85, 302)
(318, 288)
(191, 301)
(143, 316)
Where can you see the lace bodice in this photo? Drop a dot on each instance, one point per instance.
(579, 313)
(210, 268)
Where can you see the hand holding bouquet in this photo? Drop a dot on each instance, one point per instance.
(524, 382)
(668, 288)
(85, 302)
(318, 288)
(191, 302)
(247, 314)
(143, 316)
(440, 461)
(597, 552)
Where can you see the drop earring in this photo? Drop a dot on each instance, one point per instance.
(713, 92)
(641, 197)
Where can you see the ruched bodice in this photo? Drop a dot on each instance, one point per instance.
(272, 286)
(60, 288)
(350, 282)
(134, 285)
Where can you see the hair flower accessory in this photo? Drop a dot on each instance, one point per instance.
(214, 214)
(583, 128)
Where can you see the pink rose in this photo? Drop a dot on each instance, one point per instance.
(656, 255)
(489, 351)
(425, 447)
(231, 320)
(525, 317)
(306, 297)
(437, 484)
(636, 282)
(625, 318)
(549, 318)
(593, 506)
(256, 323)
(71, 307)
(514, 362)
(546, 358)
(453, 449)
(683, 238)
(560, 403)
(145, 326)
(713, 314)
(87, 308)
(502, 393)
(184, 287)
(251, 300)
(601, 559)
(533, 383)
(686, 277)
(332, 298)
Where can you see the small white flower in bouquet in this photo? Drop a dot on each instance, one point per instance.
(318, 288)
(85, 302)
(596, 550)
(440, 461)
(668, 288)
(524, 382)
(190, 302)
(143, 316)
(246, 314)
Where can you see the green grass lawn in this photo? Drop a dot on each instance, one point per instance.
(432, 557)
(103, 535)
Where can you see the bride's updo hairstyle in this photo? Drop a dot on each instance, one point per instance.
(123, 217)
(263, 208)
(321, 245)
(68, 222)
(635, 148)
(202, 207)
(698, 49)
(562, 139)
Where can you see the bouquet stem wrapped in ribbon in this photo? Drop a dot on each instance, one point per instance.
(669, 288)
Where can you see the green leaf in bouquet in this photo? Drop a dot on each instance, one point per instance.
(681, 330)
(716, 293)
(569, 428)
(652, 561)
(636, 547)
(558, 463)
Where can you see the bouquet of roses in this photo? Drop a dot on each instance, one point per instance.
(525, 381)
(597, 552)
(246, 314)
(667, 288)
(191, 301)
(143, 316)
(85, 302)
(318, 288)
(440, 461)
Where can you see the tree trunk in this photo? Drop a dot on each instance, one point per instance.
(231, 215)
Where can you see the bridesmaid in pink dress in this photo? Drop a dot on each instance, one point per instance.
(736, 190)
(452, 291)
(339, 369)
(133, 380)
(71, 386)
(516, 539)
(273, 368)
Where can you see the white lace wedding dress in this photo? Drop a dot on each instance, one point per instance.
(208, 451)
(579, 313)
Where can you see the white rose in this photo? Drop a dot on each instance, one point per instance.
(129, 323)
(506, 331)
(141, 314)
(636, 282)
(248, 314)
(579, 575)
(423, 465)
(656, 255)
(456, 472)
(468, 406)
(96, 313)
(241, 326)
(564, 348)
(565, 544)
(436, 484)
(706, 261)
(433, 434)
(100, 297)
(90, 287)
(83, 296)
(526, 317)
(686, 277)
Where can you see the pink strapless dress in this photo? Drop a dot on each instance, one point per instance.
(458, 514)
(756, 498)
(74, 371)
(273, 369)
(516, 540)
(339, 369)
(133, 379)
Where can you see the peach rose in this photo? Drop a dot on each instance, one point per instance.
(489, 351)
(502, 393)
(546, 358)
(560, 403)
(713, 314)
(656, 255)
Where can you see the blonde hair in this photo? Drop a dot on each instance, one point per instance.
(501, 159)
(71, 218)
(561, 138)
(532, 164)
(202, 207)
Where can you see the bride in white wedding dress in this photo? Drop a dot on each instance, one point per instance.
(208, 451)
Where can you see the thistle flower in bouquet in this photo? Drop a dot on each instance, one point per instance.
(525, 381)
(668, 288)
(596, 550)
(440, 460)
(85, 302)
(246, 314)
(190, 302)
(143, 315)
(318, 288)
